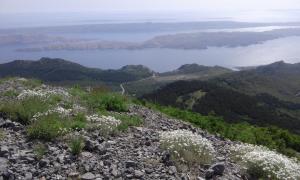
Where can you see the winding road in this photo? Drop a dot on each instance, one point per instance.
(123, 89)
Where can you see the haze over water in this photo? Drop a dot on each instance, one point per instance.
(14, 16)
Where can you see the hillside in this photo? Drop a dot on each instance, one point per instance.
(49, 132)
(61, 71)
(185, 72)
(233, 106)
(279, 79)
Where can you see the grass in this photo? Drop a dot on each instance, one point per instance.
(76, 145)
(46, 128)
(10, 93)
(23, 111)
(40, 150)
(52, 126)
(128, 121)
(99, 100)
(29, 83)
(32, 83)
(78, 121)
(272, 137)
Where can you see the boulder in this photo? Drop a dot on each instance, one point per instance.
(88, 176)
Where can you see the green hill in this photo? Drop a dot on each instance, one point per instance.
(185, 72)
(61, 71)
(209, 98)
(279, 79)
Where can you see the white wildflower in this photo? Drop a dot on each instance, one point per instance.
(42, 93)
(62, 112)
(106, 124)
(261, 160)
(189, 146)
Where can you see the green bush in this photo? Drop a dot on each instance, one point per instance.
(32, 83)
(23, 111)
(40, 150)
(47, 128)
(78, 92)
(99, 100)
(78, 121)
(76, 145)
(107, 101)
(10, 93)
(128, 121)
(53, 125)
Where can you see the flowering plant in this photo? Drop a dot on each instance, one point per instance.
(187, 146)
(106, 124)
(42, 93)
(261, 162)
(62, 112)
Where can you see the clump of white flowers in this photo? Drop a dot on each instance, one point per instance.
(42, 93)
(106, 124)
(261, 162)
(188, 147)
(62, 112)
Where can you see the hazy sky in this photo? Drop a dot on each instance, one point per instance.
(13, 6)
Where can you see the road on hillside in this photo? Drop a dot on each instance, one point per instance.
(123, 89)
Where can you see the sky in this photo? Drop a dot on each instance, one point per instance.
(21, 6)
(20, 13)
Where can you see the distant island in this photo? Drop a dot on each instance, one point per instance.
(196, 40)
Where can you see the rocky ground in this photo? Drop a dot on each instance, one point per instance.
(134, 154)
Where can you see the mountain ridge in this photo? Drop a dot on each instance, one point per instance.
(60, 70)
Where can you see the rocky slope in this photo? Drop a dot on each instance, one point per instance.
(134, 154)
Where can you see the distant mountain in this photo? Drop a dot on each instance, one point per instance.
(279, 79)
(195, 68)
(209, 98)
(266, 95)
(61, 71)
(185, 72)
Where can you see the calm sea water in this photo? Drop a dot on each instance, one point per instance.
(286, 49)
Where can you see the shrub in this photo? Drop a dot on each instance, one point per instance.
(10, 93)
(114, 102)
(100, 99)
(128, 121)
(106, 124)
(260, 162)
(187, 147)
(76, 145)
(77, 91)
(79, 121)
(40, 150)
(47, 127)
(107, 101)
(31, 83)
(23, 111)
